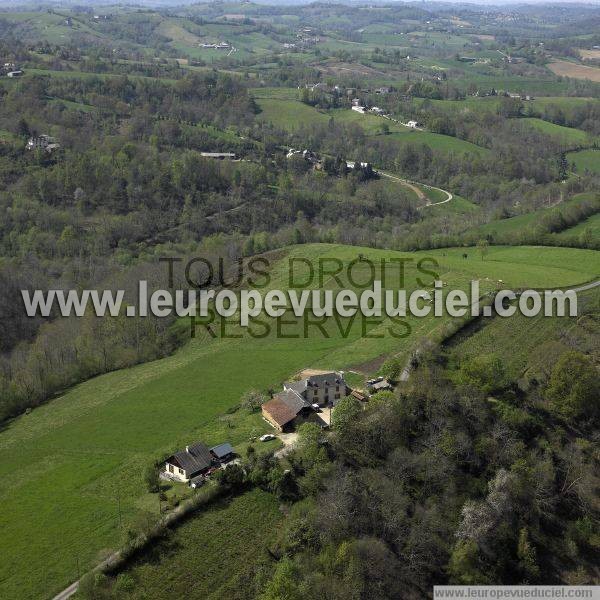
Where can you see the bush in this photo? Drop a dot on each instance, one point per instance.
(574, 386)
(152, 479)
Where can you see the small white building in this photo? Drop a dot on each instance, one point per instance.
(219, 155)
(413, 124)
(16, 73)
(359, 109)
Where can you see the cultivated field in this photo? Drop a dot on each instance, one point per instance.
(568, 69)
(590, 54)
(530, 345)
(213, 555)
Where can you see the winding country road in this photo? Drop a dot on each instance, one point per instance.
(419, 192)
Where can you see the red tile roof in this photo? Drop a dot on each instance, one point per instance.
(279, 411)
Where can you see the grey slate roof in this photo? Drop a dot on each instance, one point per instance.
(292, 400)
(297, 386)
(321, 380)
(222, 450)
(193, 459)
(325, 379)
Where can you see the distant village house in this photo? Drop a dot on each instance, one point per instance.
(43, 142)
(219, 155)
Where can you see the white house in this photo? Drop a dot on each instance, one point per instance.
(188, 463)
(413, 124)
(359, 109)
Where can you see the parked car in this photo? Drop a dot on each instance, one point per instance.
(267, 437)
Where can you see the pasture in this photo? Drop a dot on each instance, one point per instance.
(585, 160)
(589, 227)
(521, 223)
(567, 135)
(72, 469)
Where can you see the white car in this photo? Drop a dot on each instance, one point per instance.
(267, 437)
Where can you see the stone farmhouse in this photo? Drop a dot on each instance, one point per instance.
(301, 399)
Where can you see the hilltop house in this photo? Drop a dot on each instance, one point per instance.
(301, 398)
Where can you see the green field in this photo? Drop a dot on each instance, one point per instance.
(521, 223)
(591, 224)
(567, 135)
(457, 205)
(289, 114)
(215, 552)
(69, 467)
(585, 160)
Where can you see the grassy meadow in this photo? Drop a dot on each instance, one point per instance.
(585, 160)
(567, 135)
(522, 223)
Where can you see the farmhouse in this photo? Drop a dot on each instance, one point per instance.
(299, 399)
(284, 410)
(194, 460)
(307, 155)
(43, 142)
